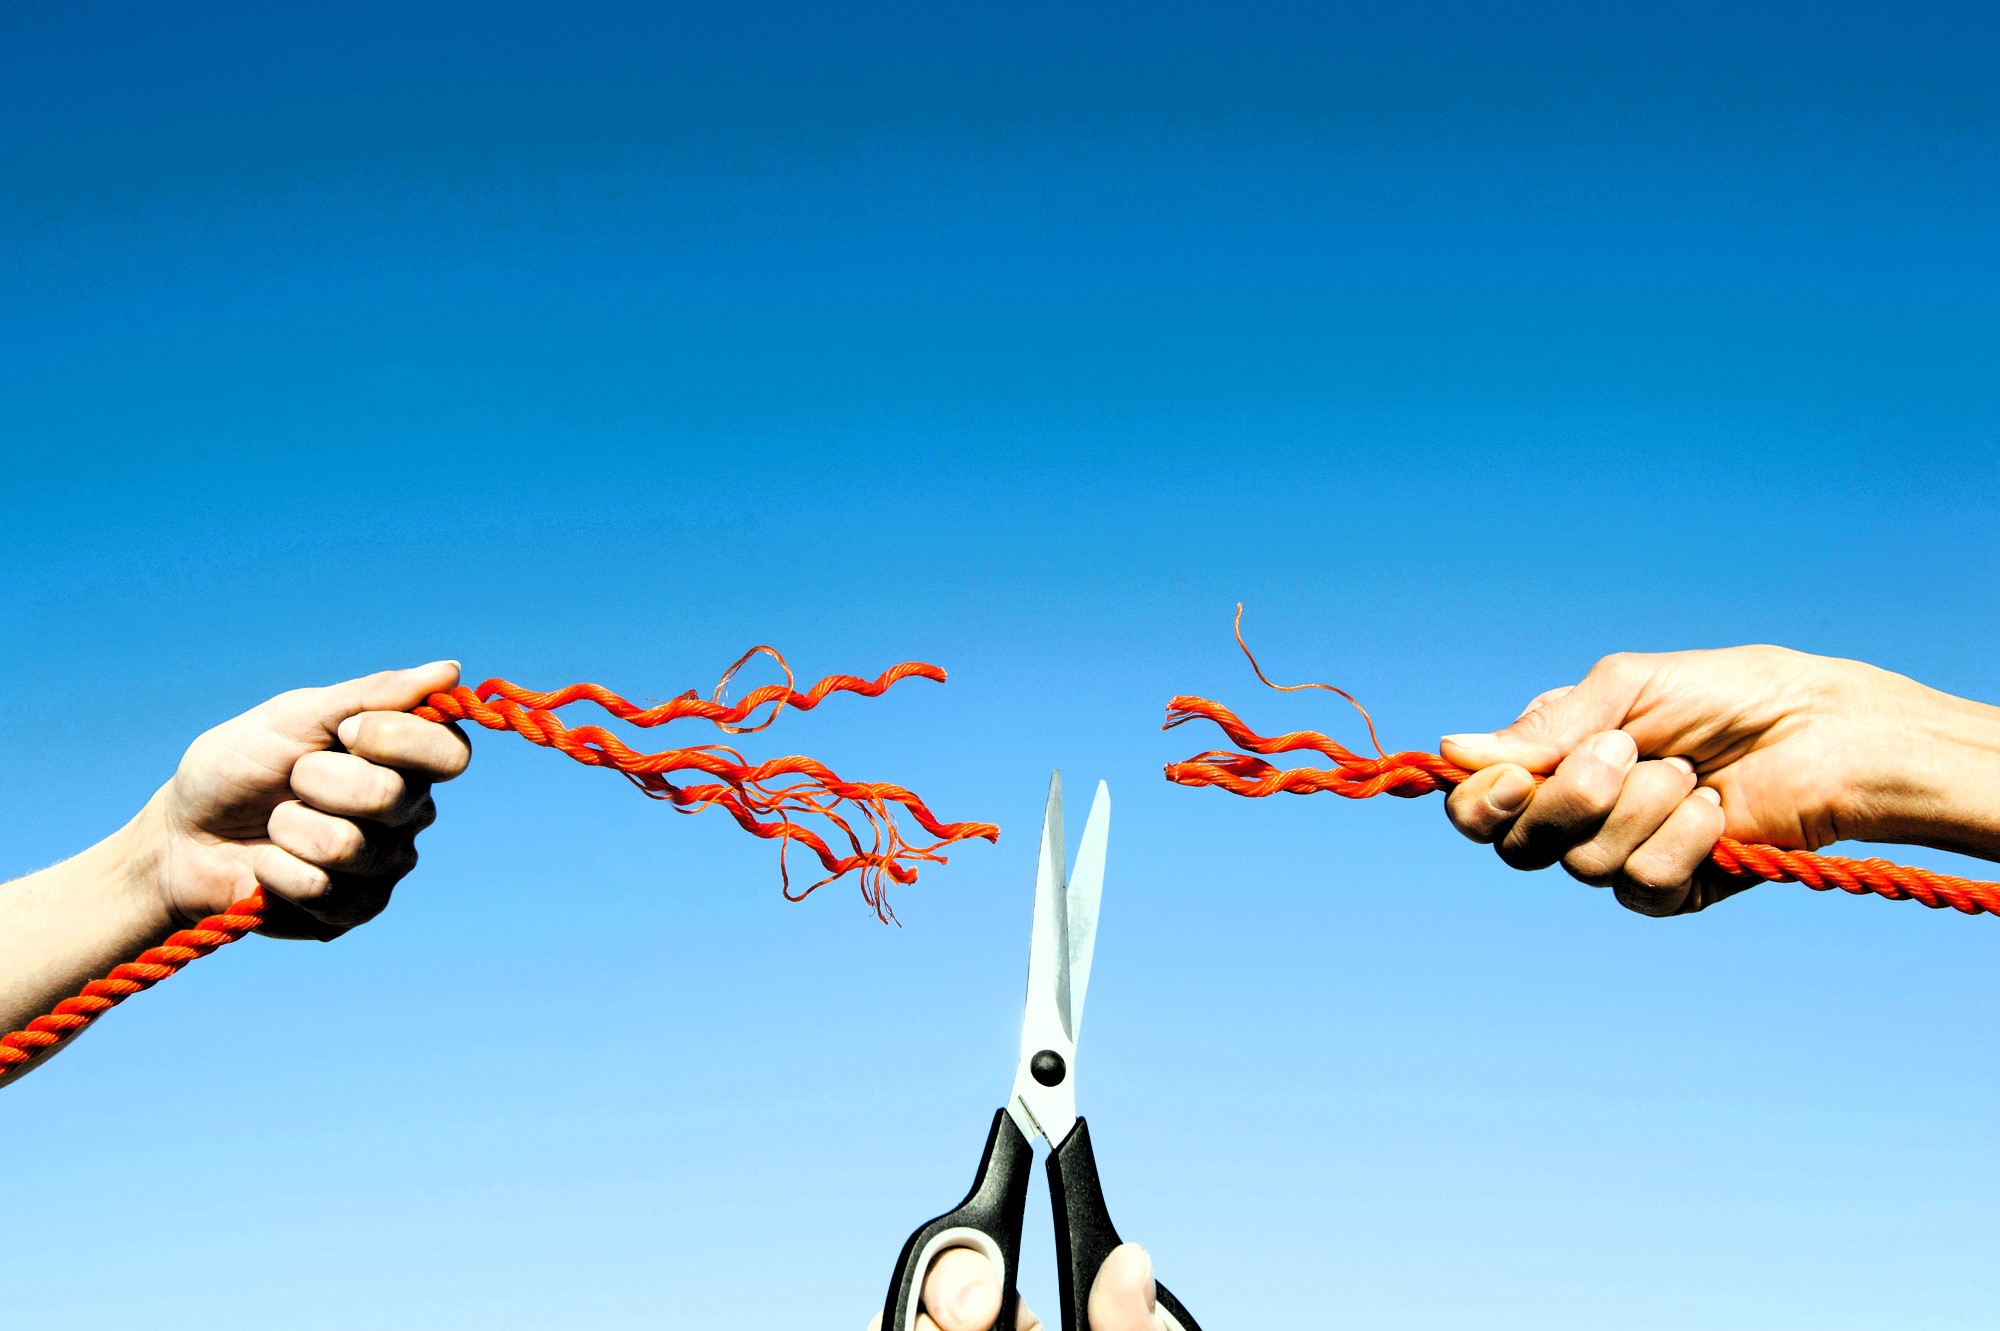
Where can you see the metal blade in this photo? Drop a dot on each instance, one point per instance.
(1048, 950)
(1043, 1102)
(1086, 889)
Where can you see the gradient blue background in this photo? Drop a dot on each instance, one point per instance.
(1465, 347)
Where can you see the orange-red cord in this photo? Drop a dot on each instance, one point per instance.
(1413, 773)
(752, 794)
(155, 964)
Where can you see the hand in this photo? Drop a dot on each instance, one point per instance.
(1654, 757)
(317, 796)
(962, 1293)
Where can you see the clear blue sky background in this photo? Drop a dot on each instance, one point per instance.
(1464, 347)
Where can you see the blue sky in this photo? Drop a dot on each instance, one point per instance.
(1463, 348)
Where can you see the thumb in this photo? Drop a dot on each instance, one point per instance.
(384, 691)
(1557, 721)
(1122, 1297)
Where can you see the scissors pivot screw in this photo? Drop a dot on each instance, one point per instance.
(1047, 1067)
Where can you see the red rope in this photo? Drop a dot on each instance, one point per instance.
(1412, 773)
(155, 964)
(750, 793)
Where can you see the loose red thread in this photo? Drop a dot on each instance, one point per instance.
(1413, 773)
(758, 796)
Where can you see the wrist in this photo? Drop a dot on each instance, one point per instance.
(1945, 790)
(133, 868)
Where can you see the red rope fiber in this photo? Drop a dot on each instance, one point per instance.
(1412, 773)
(764, 798)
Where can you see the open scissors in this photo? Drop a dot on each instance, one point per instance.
(1043, 1104)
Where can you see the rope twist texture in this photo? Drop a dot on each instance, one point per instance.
(751, 793)
(1412, 773)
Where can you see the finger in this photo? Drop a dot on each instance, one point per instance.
(389, 690)
(1559, 720)
(313, 715)
(336, 901)
(1484, 806)
(962, 1291)
(341, 845)
(1572, 804)
(1024, 1320)
(408, 743)
(1660, 875)
(1651, 793)
(352, 787)
(282, 919)
(1123, 1296)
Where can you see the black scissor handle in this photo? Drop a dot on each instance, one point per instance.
(1084, 1233)
(988, 1221)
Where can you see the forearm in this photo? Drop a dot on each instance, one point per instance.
(72, 922)
(1947, 791)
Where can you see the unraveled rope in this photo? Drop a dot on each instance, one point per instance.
(750, 793)
(1413, 773)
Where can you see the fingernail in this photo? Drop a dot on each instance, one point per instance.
(1510, 790)
(1680, 762)
(348, 731)
(1152, 1287)
(1614, 748)
(1473, 747)
(1711, 794)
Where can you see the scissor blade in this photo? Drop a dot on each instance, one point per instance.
(1048, 950)
(1086, 889)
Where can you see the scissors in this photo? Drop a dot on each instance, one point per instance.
(1043, 1104)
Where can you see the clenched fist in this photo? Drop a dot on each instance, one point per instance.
(1651, 758)
(317, 796)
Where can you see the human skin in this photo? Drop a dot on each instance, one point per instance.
(962, 1293)
(316, 796)
(1653, 757)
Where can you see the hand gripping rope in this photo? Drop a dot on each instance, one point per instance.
(757, 796)
(1410, 774)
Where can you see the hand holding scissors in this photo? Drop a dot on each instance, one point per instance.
(961, 1292)
(1043, 1104)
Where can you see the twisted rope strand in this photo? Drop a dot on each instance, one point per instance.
(1413, 773)
(155, 964)
(745, 791)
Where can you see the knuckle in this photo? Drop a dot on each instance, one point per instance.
(458, 755)
(308, 882)
(1579, 803)
(1654, 873)
(1592, 802)
(1655, 902)
(1591, 864)
(1521, 853)
(1463, 807)
(387, 787)
(341, 842)
(1616, 665)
